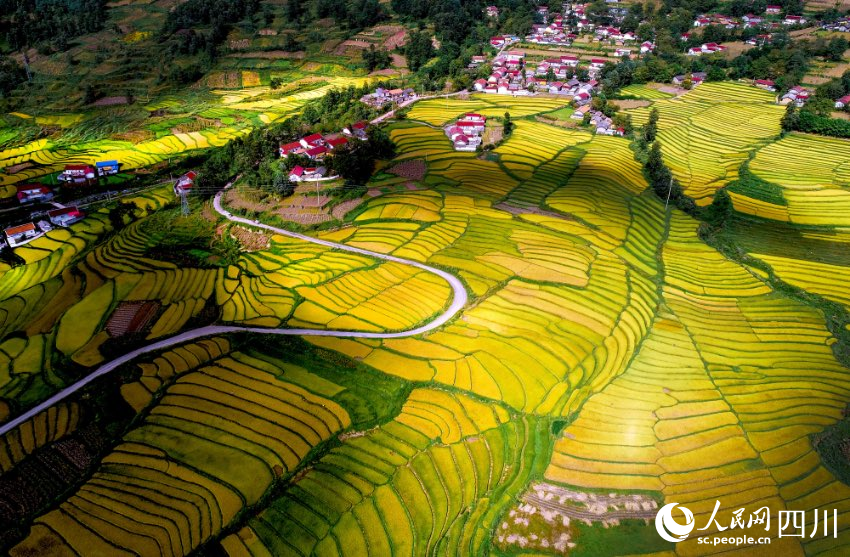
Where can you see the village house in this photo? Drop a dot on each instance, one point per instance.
(766, 84)
(317, 153)
(771, 9)
(312, 140)
(31, 193)
(570, 60)
(702, 22)
(77, 174)
(357, 130)
(294, 148)
(797, 95)
(301, 174)
(578, 114)
(336, 142)
(382, 96)
(492, 11)
(22, 234)
(647, 46)
(695, 77)
(843, 102)
(107, 168)
(185, 183)
(597, 64)
(793, 20)
(466, 133)
(751, 20)
(620, 52)
(66, 216)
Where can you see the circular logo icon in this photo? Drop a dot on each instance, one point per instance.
(667, 526)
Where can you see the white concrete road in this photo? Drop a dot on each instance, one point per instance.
(459, 300)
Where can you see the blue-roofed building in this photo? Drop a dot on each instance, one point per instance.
(106, 168)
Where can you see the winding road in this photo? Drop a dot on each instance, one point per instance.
(459, 300)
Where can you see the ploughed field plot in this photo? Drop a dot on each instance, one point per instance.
(708, 132)
(606, 349)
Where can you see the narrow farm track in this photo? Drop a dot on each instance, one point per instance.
(459, 300)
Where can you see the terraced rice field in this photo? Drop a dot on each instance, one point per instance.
(707, 133)
(255, 105)
(644, 92)
(438, 112)
(813, 175)
(606, 350)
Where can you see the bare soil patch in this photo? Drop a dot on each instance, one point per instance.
(399, 61)
(112, 101)
(411, 169)
(625, 104)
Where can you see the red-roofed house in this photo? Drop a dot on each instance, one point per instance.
(313, 140)
(765, 84)
(65, 216)
(843, 102)
(317, 152)
(336, 142)
(357, 130)
(296, 174)
(185, 182)
(773, 9)
(474, 117)
(20, 235)
(78, 173)
(793, 20)
(571, 61)
(30, 193)
(294, 148)
(597, 63)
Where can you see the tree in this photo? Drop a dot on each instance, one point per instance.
(376, 59)
(11, 75)
(419, 50)
(509, 125)
(276, 83)
(650, 130)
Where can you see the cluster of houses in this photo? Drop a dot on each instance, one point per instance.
(706, 48)
(467, 132)
(749, 20)
(554, 33)
(603, 124)
(841, 25)
(22, 234)
(317, 146)
(84, 174)
(696, 78)
(510, 76)
(797, 95)
(381, 97)
(502, 41)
